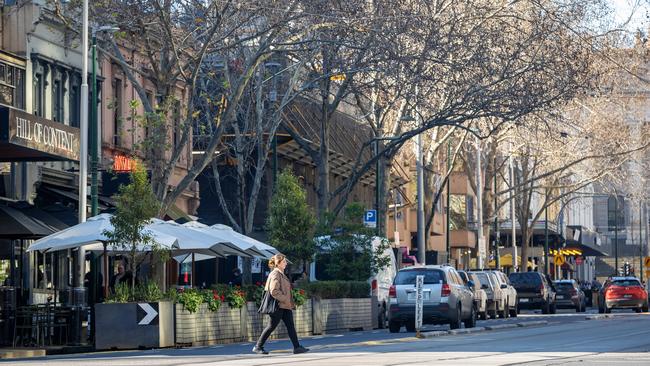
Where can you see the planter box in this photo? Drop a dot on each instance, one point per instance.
(342, 314)
(118, 325)
(302, 318)
(205, 327)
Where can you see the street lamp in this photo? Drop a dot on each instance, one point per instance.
(94, 128)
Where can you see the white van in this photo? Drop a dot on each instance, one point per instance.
(379, 283)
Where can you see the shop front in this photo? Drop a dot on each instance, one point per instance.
(32, 300)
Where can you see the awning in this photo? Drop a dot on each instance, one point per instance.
(20, 220)
(25, 137)
(587, 242)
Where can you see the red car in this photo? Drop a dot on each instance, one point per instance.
(623, 293)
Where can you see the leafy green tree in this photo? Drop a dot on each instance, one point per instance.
(348, 252)
(136, 204)
(290, 221)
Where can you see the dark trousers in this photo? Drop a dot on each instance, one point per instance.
(287, 317)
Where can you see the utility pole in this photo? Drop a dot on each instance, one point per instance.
(512, 214)
(616, 235)
(479, 198)
(420, 189)
(448, 232)
(94, 210)
(641, 240)
(378, 191)
(545, 237)
(497, 259)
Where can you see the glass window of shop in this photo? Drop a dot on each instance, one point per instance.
(12, 86)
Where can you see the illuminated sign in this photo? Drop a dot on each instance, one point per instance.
(123, 163)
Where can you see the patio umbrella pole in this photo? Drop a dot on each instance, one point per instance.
(193, 272)
(105, 260)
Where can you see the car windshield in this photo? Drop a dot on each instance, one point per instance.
(524, 278)
(431, 276)
(483, 278)
(564, 285)
(626, 283)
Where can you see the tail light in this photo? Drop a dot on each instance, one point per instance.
(392, 292)
(373, 286)
(611, 292)
(541, 288)
(446, 290)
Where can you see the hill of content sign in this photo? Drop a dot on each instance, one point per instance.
(36, 138)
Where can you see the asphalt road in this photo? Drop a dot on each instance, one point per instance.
(567, 339)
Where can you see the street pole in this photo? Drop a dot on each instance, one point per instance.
(448, 232)
(640, 241)
(93, 132)
(479, 198)
(546, 266)
(497, 259)
(420, 191)
(377, 190)
(77, 300)
(512, 214)
(616, 236)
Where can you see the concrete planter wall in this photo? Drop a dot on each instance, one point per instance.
(343, 314)
(119, 329)
(233, 325)
(301, 316)
(205, 327)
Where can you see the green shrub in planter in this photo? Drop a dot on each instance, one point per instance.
(191, 299)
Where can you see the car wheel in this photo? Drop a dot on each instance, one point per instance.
(553, 309)
(607, 310)
(637, 310)
(483, 315)
(645, 307)
(493, 314)
(410, 326)
(394, 327)
(471, 322)
(514, 311)
(546, 308)
(455, 323)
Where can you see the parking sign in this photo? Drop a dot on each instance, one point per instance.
(419, 282)
(370, 219)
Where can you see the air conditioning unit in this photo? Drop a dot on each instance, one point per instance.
(117, 140)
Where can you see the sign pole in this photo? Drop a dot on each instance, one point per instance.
(419, 304)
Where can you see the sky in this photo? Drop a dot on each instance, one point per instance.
(639, 9)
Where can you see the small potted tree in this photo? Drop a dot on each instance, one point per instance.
(134, 315)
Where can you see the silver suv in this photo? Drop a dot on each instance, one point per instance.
(447, 300)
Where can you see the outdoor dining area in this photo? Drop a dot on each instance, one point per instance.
(42, 303)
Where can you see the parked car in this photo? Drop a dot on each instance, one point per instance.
(510, 308)
(570, 295)
(495, 295)
(447, 300)
(623, 293)
(480, 297)
(534, 291)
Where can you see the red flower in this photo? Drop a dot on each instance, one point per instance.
(223, 298)
(258, 283)
(302, 292)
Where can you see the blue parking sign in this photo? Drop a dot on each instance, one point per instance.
(370, 218)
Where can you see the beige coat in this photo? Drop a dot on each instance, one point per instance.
(280, 287)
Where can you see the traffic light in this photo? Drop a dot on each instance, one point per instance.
(626, 269)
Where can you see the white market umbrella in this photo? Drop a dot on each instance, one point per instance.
(194, 241)
(224, 236)
(235, 237)
(90, 234)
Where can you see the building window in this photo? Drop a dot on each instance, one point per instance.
(12, 86)
(57, 96)
(40, 85)
(117, 112)
(615, 215)
(458, 212)
(74, 99)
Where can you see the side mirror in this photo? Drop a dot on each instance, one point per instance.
(470, 284)
(504, 286)
(484, 287)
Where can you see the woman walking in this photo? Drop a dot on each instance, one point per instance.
(279, 287)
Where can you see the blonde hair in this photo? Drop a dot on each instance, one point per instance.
(276, 259)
